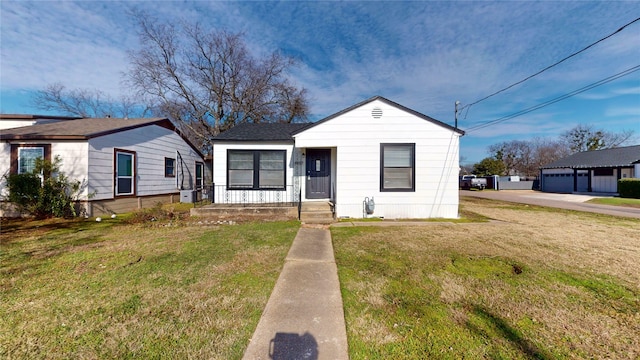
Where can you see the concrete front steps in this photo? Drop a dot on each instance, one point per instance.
(317, 212)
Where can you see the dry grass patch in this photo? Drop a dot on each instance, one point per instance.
(539, 283)
(121, 290)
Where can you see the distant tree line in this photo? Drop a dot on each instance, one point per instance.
(525, 157)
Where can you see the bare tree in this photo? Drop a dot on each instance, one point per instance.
(515, 155)
(84, 102)
(586, 138)
(520, 157)
(208, 81)
(546, 151)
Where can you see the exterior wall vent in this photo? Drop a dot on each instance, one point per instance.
(376, 113)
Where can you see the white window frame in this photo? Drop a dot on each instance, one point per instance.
(117, 175)
(199, 180)
(20, 160)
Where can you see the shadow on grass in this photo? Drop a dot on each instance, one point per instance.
(507, 332)
(29, 261)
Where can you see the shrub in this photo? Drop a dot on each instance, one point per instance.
(45, 192)
(157, 213)
(629, 188)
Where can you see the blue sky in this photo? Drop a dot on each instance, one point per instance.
(424, 55)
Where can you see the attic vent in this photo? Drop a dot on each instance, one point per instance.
(376, 113)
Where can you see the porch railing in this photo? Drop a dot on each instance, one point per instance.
(265, 197)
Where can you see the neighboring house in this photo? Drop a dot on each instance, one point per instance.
(9, 121)
(591, 171)
(377, 149)
(123, 164)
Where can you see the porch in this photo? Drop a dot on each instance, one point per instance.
(273, 205)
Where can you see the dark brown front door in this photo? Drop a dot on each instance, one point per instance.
(318, 173)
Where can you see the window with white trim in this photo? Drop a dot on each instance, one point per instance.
(397, 167)
(125, 173)
(256, 169)
(27, 157)
(199, 175)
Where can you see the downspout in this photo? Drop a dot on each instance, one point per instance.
(181, 174)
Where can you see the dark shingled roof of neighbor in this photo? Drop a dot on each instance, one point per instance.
(622, 156)
(261, 132)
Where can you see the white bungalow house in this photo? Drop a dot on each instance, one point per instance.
(591, 171)
(404, 161)
(124, 164)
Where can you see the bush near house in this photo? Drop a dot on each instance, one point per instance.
(629, 188)
(44, 192)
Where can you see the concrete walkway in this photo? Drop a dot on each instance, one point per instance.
(304, 317)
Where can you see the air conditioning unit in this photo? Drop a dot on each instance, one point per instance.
(187, 196)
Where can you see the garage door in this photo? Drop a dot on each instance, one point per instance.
(560, 183)
(583, 182)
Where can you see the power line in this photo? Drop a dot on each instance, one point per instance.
(550, 66)
(555, 100)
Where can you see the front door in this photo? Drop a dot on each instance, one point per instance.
(318, 173)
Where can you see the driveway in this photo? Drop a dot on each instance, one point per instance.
(562, 201)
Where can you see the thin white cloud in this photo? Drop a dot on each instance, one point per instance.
(630, 111)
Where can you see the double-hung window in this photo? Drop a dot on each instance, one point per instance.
(125, 172)
(27, 157)
(397, 167)
(23, 157)
(256, 169)
(169, 167)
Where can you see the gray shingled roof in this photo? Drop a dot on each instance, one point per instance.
(80, 129)
(622, 156)
(260, 132)
(84, 129)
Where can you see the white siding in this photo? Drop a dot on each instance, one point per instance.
(605, 184)
(74, 161)
(72, 153)
(356, 137)
(5, 165)
(151, 145)
(10, 124)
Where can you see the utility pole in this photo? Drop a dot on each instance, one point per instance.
(456, 113)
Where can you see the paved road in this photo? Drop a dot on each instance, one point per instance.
(562, 201)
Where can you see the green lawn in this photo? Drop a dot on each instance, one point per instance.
(616, 201)
(536, 285)
(114, 290)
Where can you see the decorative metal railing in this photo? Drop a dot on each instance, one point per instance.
(281, 197)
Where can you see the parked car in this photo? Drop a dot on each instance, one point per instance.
(468, 182)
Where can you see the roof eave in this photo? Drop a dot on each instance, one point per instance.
(42, 137)
(252, 141)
